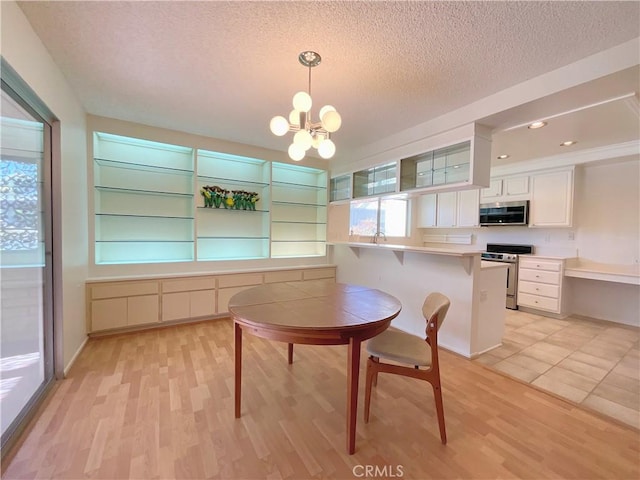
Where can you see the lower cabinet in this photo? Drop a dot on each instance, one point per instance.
(114, 305)
(122, 304)
(540, 282)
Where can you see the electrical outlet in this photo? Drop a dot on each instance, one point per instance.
(571, 236)
(483, 295)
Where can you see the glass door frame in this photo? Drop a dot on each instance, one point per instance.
(14, 86)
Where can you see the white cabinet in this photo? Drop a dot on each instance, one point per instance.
(466, 162)
(468, 209)
(119, 304)
(188, 298)
(540, 282)
(448, 210)
(552, 199)
(427, 211)
(122, 304)
(506, 189)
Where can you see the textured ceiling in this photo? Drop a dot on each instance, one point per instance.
(223, 69)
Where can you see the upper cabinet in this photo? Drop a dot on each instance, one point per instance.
(506, 189)
(375, 180)
(456, 166)
(552, 199)
(462, 160)
(340, 188)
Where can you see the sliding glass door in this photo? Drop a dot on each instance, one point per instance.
(26, 318)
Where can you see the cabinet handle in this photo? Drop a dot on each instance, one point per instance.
(537, 276)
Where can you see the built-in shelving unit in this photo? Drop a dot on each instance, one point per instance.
(299, 211)
(143, 197)
(149, 205)
(230, 234)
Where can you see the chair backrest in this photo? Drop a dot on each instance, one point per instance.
(435, 308)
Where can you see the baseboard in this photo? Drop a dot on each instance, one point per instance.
(75, 356)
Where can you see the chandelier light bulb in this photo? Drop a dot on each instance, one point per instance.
(294, 117)
(303, 139)
(325, 109)
(296, 152)
(331, 121)
(279, 126)
(327, 149)
(302, 101)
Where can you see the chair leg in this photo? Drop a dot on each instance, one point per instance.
(375, 374)
(437, 395)
(372, 373)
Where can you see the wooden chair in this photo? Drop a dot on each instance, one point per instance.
(403, 348)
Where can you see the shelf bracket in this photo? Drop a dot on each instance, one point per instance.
(355, 250)
(400, 256)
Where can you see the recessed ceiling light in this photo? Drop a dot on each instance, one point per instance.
(568, 143)
(502, 157)
(535, 125)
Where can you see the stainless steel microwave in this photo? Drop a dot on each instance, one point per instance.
(504, 213)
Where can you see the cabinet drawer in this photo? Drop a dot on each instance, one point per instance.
(546, 290)
(540, 276)
(286, 276)
(186, 285)
(317, 273)
(126, 289)
(239, 280)
(536, 301)
(540, 264)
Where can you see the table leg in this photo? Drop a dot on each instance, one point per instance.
(238, 359)
(353, 371)
(290, 353)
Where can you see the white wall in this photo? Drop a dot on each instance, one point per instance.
(24, 51)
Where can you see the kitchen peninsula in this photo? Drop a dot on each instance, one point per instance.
(477, 289)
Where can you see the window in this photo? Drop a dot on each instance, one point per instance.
(383, 216)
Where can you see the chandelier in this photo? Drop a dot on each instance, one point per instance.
(308, 134)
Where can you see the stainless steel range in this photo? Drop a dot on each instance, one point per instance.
(508, 253)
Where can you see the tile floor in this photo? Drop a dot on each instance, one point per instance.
(590, 362)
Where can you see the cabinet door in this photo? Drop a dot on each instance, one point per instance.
(426, 211)
(516, 186)
(108, 313)
(493, 190)
(468, 208)
(446, 211)
(143, 309)
(552, 199)
(175, 306)
(202, 303)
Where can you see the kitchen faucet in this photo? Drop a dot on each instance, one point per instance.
(377, 235)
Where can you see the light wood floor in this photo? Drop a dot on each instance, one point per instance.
(159, 404)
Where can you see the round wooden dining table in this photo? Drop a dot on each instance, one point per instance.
(313, 312)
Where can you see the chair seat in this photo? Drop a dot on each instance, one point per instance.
(400, 347)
